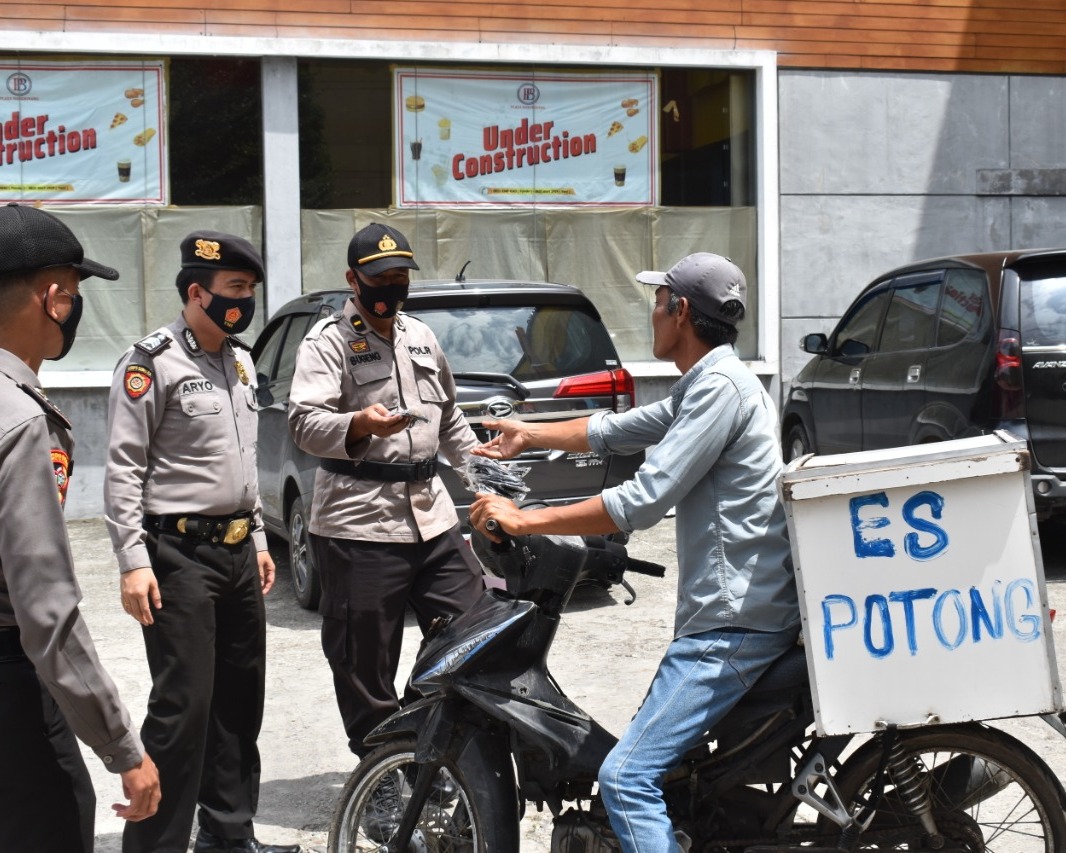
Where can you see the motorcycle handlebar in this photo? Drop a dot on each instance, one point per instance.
(643, 567)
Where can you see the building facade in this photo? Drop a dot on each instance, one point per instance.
(817, 143)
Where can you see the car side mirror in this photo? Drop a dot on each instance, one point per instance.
(852, 348)
(815, 344)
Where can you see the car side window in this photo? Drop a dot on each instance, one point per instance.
(857, 333)
(963, 309)
(266, 349)
(911, 318)
(1043, 306)
(293, 338)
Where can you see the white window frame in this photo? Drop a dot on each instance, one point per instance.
(281, 203)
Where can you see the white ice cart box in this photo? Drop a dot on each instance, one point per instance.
(921, 585)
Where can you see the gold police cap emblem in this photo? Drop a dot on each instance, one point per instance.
(386, 243)
(208, 250)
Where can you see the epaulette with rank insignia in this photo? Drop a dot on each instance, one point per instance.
(153, 344)
(49, 407)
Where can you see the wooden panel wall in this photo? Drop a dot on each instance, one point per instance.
(1020, 36)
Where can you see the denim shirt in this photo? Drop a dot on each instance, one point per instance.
(717, 459)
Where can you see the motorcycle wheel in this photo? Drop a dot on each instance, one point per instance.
(453, 820)
(989, 794)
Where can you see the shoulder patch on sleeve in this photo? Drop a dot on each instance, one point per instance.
(137, 381)
(49, 407)
(154, 343)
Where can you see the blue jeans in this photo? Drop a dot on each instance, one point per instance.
(700, 678)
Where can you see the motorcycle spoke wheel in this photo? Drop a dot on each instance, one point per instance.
(989, 794)
(365, 822)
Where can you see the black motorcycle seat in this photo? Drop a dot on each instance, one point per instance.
(776, 690)
(787, 673)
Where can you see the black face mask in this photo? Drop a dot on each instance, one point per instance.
(385, 300)
(232, 315)
(68, 327)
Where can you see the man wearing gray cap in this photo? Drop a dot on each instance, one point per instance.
(714, 454)
(181, 498)
(52, 686)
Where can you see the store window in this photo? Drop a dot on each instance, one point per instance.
(699, 124)
(216, 132)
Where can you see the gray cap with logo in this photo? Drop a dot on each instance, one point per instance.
(712, 284)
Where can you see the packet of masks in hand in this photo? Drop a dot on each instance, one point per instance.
(490, 477)
(411, 416)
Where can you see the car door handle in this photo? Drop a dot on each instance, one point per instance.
(855, 376)
(914, 374)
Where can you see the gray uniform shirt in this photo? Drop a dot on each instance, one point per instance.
(342, 367)
(182, 437)
(38, 589)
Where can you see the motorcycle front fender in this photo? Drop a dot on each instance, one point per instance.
(482, 757)
(409, 720)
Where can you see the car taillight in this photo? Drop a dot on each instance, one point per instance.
(617, 384)
(1009, 374)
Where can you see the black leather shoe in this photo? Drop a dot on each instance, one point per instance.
(208, 843)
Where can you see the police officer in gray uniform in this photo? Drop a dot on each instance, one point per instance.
(52, 685)
(182, 504)
(384, 531)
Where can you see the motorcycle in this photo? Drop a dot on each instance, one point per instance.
(454, 770)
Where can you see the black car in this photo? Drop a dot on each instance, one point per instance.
(517, 349)
(943, 349)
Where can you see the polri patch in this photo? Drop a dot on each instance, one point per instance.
(61, 464)
(137, 381)
(359, 346)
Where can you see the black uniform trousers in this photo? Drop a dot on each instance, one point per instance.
(207, 655)
(47, 802)
(366, 587)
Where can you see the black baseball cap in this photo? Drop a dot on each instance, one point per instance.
(31, 239)
(377, 248)
(714, 285)
(216, 250)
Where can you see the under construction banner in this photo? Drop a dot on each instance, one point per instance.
(90, 132)
(500, 137)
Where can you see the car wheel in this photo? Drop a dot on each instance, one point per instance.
(797, 443)
(305, 581)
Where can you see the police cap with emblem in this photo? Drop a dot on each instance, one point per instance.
(214, 250)
(31, 239)
(377, 248)
(713, 285)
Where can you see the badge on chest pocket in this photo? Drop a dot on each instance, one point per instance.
(367, 365)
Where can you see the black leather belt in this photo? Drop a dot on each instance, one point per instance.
(10, 647)
(227, 529)
(389, 472)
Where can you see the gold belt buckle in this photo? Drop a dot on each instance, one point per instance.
(237, 531)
